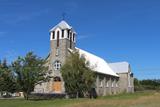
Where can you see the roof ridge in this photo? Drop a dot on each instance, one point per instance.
(62, 24)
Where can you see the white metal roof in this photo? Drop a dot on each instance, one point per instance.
(120, 67)
(62, 25)
(96, 63)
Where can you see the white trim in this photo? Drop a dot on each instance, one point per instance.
(60, 35)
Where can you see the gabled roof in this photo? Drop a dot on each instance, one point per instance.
(62, 25)
(120, 67)
(96, 63)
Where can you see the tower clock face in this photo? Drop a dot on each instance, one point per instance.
(57, 65)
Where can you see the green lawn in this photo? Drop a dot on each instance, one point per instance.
(141, 99)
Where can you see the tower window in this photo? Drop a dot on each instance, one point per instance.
(68, 34)
(53, 35)
(73, 36)
(57, 65)
(57, 38)
(62, 33)
(70, 41)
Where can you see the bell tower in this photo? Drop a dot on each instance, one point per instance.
(62, 39)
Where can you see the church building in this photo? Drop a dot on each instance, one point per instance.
(111, 78)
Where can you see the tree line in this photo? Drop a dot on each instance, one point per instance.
(146, 84)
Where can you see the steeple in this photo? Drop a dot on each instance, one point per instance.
(62, 38)
(63, 31)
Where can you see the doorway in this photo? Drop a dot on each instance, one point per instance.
(57, 85)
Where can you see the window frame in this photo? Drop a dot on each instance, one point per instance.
(57, 65)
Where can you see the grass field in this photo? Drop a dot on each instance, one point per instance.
(141, 99)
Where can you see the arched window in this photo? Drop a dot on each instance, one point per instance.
(112, 85)
(73, 37)
(101, 83)
(116, 83)
(107, 83)
(71, 41)
(57, 79)
(53, 35)
(57, 65)
(57, 38)
(68, 34)
(62, 33)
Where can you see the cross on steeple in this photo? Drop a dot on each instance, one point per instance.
(63, 15)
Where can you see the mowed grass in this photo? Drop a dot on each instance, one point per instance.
(139, 99)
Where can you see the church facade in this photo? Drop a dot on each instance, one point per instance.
(111, 78)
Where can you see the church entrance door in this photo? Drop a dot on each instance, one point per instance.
(57, 85)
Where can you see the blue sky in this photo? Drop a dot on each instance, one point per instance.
(116, 30)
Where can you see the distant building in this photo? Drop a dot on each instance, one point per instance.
(111, 78)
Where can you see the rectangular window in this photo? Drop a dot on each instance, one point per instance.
(62, 33)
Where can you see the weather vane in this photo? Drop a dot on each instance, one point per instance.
(63, 15)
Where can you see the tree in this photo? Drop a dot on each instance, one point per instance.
(7, 80)
(30, 71)
(78, 77)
